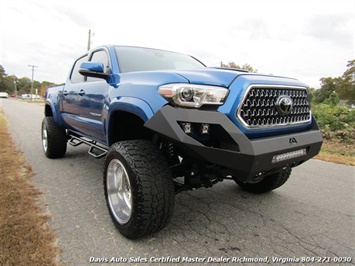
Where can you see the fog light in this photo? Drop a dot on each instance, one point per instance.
(205, 128)
(289, 155)
(186, 127)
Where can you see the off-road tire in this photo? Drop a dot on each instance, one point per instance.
(54, 138)
(269, 183)
(150, 188)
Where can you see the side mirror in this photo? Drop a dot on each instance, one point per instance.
(93, 69)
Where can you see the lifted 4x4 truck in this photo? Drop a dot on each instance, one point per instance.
(167, 123)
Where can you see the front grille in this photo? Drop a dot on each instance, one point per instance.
(261, 106)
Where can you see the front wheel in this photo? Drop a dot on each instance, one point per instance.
(268, 183)
(139, 189)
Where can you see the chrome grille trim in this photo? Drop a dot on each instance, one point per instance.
(257, 108)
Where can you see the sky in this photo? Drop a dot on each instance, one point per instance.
(302, 39)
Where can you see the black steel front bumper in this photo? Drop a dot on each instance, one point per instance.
(242, 156)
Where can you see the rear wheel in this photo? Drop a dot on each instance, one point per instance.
(139, 188)
(54, 138)
(268, 183)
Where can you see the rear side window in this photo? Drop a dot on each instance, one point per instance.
(76, 77)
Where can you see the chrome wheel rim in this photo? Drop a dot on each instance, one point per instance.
(119, 191)
(44, 138)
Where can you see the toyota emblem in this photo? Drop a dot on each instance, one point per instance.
(284, 105)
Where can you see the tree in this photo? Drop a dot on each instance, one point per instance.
(2, 79)
(328, 86)
(249, 68)
(44, 87)
(231, 64)
(311, 92)
(24, 85)
(346, 89)
(9, 83)
(349, 74)
(2, 72)
(333, 99)
(36, 85)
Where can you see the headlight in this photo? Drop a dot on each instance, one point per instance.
(191, 95)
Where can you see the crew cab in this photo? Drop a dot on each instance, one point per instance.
(166, 123)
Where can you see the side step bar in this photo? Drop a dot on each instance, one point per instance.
(95, 150)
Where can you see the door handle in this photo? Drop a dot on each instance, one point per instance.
(65, 92)
(81, 92)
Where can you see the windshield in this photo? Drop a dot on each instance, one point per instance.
(132, 59)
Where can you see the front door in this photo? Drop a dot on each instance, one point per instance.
(92, 99)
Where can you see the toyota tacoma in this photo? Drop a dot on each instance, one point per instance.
(166, 123)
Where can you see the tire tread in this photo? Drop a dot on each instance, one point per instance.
(154, 188)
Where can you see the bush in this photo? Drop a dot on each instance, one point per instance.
(336, 122)
(335, 117)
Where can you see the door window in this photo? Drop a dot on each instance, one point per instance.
(75, 76)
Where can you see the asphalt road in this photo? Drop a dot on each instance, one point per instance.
(312, 216)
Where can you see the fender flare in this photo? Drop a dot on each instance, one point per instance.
(131, 105)
(52, 106)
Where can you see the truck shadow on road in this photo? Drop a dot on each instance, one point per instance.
(219, 221)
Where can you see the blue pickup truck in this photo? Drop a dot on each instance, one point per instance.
(167, 123)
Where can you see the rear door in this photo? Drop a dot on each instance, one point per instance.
(70, 95)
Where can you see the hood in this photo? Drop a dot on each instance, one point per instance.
(224, 77)
(210, 76)
(203, 76)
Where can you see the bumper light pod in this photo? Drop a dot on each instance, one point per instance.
(205, 128)
(289, 155)
(186, 127)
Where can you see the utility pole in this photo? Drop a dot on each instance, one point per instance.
(33, 70)
(15, 85)
(89, 40)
